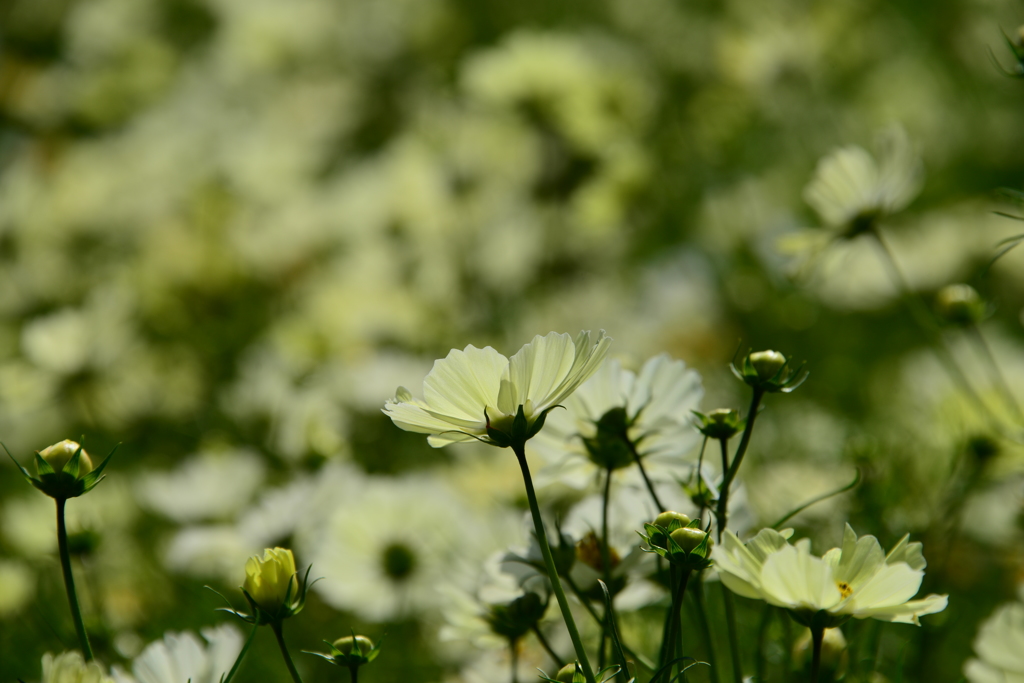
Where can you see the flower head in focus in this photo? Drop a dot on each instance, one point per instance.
(856, 580)
(480, 394)
(273, 587)
(70, 667)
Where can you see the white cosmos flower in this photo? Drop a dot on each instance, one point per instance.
(851, 188)
(657, 405)
(70, 667)
(184, 657)
(857, 580)
(1000, 648)
(473, 392)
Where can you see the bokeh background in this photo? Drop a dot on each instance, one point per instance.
(230, 228)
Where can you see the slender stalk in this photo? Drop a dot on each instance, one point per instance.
(730, 474)
(665, 653)
(353, 672)
(924, 320)
(549, 564)
(69, 581)
(680, 580)
(702, 613)
(734, 641)
(241, 654)
(700, 479)
(997, 374)
(817, 635)
(514, 658)
(276, 627)
(762, 634)
(606, 568)
(643, 473)
(547, 646)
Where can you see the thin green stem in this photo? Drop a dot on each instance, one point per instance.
(672, 640)
(643, 473)
(730, 474)
(700, 480)
(702, 613)
(665, 654)
(817, 635)
(734, 641)
(69, 581)
(762, 634)
(241, 654)
(276, 627)
(997, 374)
(353, 672)
(549, 564)
(514, 658)
(547, 646)
(606, 564)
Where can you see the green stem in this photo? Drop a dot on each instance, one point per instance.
(549, 564)
(997, 374)
(734, 641)
(277, 628)
(700, 480)
(514, 657)
(730, 474)
(354, 673)
(547, 646)
(672, 640)
(69, 580)
(702, 613)
(241, 654)
(817, 635)
(762, 634)
(665, 655)
(605, 564)
(643, 473)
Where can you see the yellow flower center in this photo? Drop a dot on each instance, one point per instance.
(844, 589)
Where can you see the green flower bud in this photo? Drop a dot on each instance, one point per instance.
(721, 423)
(566, 673)
(59, 454)
(64, 470)
(767, 363)
(769, 371)
(514, 619)
(610, 447)
(960, 305)
(350, 651)
(689, 538)
(346, 644)
(273, 586)
(665, 519)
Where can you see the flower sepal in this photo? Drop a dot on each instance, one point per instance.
(515, 618)
(818, 620)
(73, 475)
(722, 423)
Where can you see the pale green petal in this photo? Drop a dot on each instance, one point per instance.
(911, 553)
(908, 612)
(739, 586)
(795, 579)
(413, 417)
(768, 541)
(860, 560)
(677, 387)
(462, 384)
(538, 369)
(1000, 640)
(588, 359)
(891, 585)
(980, 672)
(736, 561)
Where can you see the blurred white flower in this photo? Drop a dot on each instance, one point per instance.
(211, 485)
(70, 667)
(181, 657)
(655, 405)
(999, 646)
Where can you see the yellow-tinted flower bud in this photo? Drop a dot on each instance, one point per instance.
(565, 674)
(767, 363)
(272, 581)
(689, 538)
(59, 454)
(347, 644)
(665, 518)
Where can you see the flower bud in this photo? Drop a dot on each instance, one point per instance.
(959, 305)
(346, 644)
(59, 454)
(689, 538)
(350, 651)
(721, 423)
(272, 585)
(665, 519)
(566, 673)
(514, 619)
(767, 363)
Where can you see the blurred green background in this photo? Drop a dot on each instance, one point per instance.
(229, 228)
